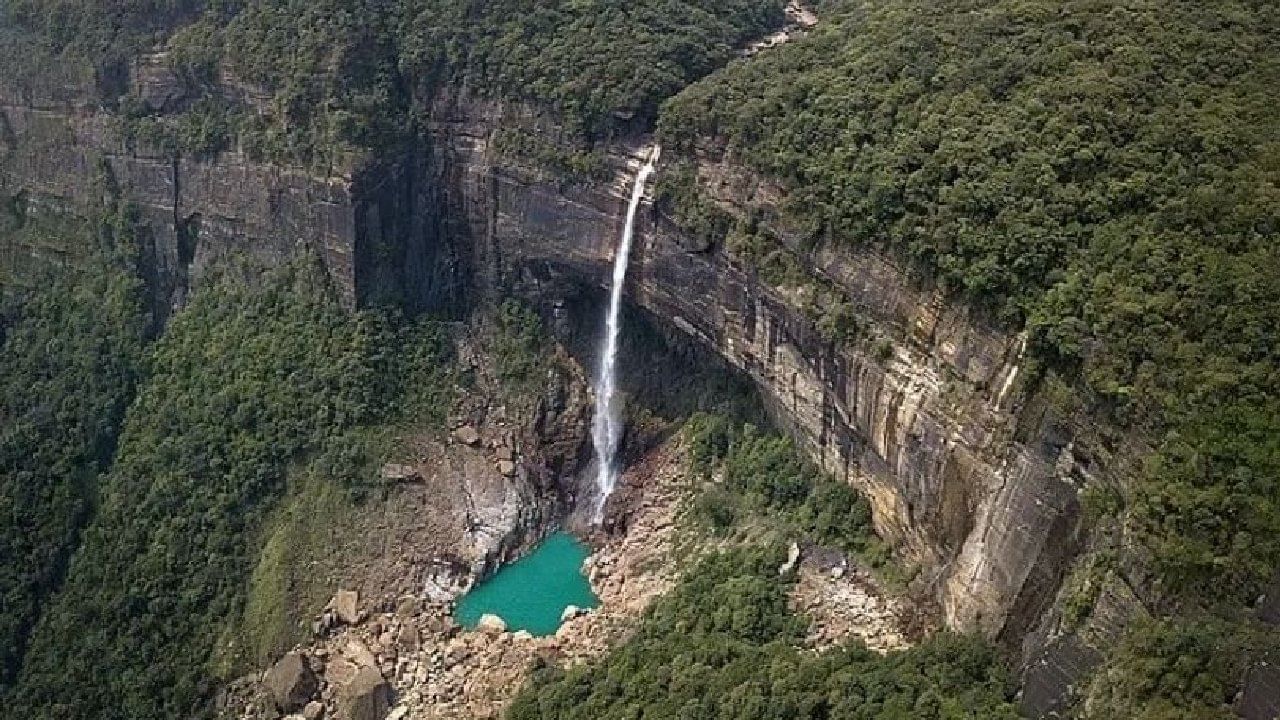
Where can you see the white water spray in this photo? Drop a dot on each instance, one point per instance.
(606, 426)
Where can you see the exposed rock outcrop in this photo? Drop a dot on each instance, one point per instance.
(977, 488)
(491, 625)
(979, 494)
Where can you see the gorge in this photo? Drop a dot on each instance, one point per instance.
(870, 233)
(990, 520)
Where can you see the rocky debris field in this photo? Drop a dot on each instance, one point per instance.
(843, 602)
(402, 657)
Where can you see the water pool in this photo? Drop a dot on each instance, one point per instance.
(532, 592)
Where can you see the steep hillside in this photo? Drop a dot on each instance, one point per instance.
(1103, 177)
(1008, 269)
(70, 357)
(1106, 175)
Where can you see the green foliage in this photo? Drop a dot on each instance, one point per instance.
(722, 645)
(288, 587)
(519, 344)
(573, 161)
(244, 383)
(343, 74)
(679, 196)
(1179, 669)
(1084, 585)
(1108, 175)
(331, 67)
(766, 479)
(599, 64)
(70, 355)
(103, 31)
(1208, 505)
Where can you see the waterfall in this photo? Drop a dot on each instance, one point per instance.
(606, 426)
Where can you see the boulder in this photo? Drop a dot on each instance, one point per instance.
(407, 606)
(324, 623)
(570, 612)
(360, 654)
(506, 467)
(467, 435)
(407, 640)
(340, 671)
(291, 682)
(793, 557)
(396, 473)
(504, 452)
(366, 697)
(491, 624)
(346, 604)
(313, 711)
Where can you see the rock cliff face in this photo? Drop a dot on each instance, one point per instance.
(59, 151)
(976, 484)
(979, 493)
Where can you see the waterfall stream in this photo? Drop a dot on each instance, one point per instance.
(606, 426)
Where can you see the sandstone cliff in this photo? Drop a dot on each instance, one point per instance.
(976, 483)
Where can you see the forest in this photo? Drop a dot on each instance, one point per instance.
(70, 358)
(243, 384)
(1104, 176)
(350, 75)
(764, 480)
(722, 646)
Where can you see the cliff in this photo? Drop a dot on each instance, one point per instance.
(976, 483)
(59, 150)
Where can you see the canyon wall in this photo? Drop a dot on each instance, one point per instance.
(981, 495)
(60, 152)
(974, 482)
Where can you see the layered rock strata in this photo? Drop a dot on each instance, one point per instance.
(976, 487)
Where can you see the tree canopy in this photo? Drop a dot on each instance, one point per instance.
(722, 646)
(1105, 176)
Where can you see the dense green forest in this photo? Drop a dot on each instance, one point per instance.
(761, 478)
(71, 353)
(361, 73)
(1107, 174)
(1104, 176)
(722, 645)
(244, 383)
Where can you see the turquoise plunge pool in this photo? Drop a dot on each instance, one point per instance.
(532, 593)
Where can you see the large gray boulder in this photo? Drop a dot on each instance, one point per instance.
(366, 697)
(346, 604)
(291, 682)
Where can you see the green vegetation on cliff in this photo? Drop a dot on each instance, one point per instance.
(105, 32)
(244, 383)
(600, 64)
(343, 73)
(1180, 669)
(764, 478)
(1108, 175)
(71, 353)
(722, 644)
